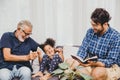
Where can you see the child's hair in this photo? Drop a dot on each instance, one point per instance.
(49, 41)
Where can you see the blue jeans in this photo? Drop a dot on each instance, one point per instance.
(24, 73)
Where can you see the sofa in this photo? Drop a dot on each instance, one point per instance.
(68, 50)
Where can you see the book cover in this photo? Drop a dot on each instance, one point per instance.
(79, 59)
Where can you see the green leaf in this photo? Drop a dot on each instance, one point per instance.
(79, 67)
(63, 65)
(64, 78)
(68, 71)
(57, 71)
(85, 76)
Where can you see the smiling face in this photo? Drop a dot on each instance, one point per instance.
(49, 50)
(98, 28)
(100, 18)
(24, 32)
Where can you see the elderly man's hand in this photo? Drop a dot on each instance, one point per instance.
(32, 55)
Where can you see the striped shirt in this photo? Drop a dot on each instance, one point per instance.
(106, 47)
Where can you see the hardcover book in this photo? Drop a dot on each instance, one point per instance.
(79, 59)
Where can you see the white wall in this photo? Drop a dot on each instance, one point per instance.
(64, 20)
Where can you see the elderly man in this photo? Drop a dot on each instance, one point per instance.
(16, 50)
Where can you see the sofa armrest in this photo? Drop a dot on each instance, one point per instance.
(70, 50)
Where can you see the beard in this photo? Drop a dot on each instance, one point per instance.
(99, 32)
(20, 38)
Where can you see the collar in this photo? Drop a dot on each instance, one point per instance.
(13, 34)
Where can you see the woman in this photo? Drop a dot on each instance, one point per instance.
(52, 57)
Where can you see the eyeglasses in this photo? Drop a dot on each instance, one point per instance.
(26, 34)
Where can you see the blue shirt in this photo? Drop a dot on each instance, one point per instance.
(8, 40)
(106, 47)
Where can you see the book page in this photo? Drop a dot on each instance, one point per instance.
(79, 59)
(94, 58)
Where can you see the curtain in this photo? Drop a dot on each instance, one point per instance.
(64, 20)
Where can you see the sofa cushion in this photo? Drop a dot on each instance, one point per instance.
(35, 63)
(69, 50)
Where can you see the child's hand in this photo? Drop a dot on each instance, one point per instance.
(37, 74)
(60, 53)
(45, 77)
(59, 50)
(32, 55)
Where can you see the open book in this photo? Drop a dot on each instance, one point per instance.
(94, 58)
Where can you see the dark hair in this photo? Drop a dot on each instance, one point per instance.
(100, 15)
(49, 41)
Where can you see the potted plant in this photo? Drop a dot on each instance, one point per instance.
(65, 73)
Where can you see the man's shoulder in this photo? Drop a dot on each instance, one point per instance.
(7, 34)
(115, 32)
(31, 39)
(114, 35)
(90, 30)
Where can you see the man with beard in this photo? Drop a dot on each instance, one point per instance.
(16, 51)
(104, 42)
